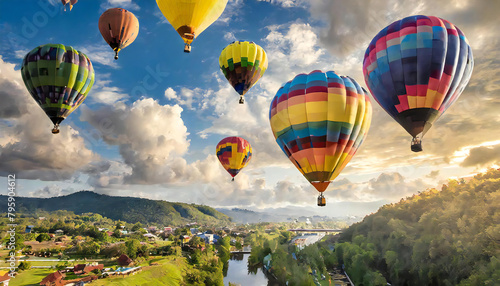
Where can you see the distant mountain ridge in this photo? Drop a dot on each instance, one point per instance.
(129, 209)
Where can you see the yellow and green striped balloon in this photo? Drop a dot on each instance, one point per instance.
(243, 64)
(59, 78)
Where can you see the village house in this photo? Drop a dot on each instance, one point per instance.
(168, 230)
(53, 279)
(59, 232)
(29, 228)
(4, 278)
(124, 260)
(81, 269)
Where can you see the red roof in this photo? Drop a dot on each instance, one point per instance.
(55, 278)
(4, 278)
(124, 260)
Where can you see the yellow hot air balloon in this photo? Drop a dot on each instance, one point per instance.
(191, 17)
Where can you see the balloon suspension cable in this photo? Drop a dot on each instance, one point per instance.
(116, 54)
(321, 200)
(416, 144)
(187, 48)
(55, 130)
(242, 99)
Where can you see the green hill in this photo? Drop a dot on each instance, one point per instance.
(447, 237)
(127, 209)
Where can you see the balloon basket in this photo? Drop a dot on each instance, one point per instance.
(55, 130)
(232, 180)
(416, 145)
(321, 200)
(187, 48)
(242, 100)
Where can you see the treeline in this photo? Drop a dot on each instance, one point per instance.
(447, 237)
(127, 209)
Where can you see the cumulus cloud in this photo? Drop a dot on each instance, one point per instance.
(103, 92)
(27, 147)
(482, 156)
(49, 192)
(287, 3)
(152, 140)
(126, 4)
(100, 54)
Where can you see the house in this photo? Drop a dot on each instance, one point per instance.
(4, 278)
(53, 279)
(207, 237)
(124, 232)
(124, 260)
(184, 238)
(87, 268)
(150, 236)
(59, 232)
(152, 229)
(168, 230)
(29, 228)
(194, 231)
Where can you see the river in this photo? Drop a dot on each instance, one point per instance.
(237, 273)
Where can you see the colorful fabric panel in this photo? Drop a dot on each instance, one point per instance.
(319, 120)
(234, 154)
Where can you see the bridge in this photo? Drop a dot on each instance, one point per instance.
(315, 230)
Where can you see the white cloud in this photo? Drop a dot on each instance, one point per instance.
(229, 36)
(27, 146)
(101, 54)
(125, 4)
(102, 92)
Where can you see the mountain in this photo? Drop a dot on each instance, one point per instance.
(127, 209)
(446, 237)
(286, 214)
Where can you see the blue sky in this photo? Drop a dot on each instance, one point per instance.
(153, 118)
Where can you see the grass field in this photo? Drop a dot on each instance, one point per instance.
(165, 274)
(30, 278)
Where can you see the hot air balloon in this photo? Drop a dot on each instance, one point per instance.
(58, 78)
(234, 154)
(70, 2)
(119, 28)
(191, 17)
(416, 68)
(243, 64)
(319, 120)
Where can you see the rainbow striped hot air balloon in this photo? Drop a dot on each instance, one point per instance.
(415, 69)
(59, 78)
(319, 120)
(234, 154)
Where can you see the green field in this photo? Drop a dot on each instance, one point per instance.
(166, 274)
(30, 278)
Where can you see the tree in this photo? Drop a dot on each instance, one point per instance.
(137, 227)
(24, 265)
(133, 246)
(43, 237)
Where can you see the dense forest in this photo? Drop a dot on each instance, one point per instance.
(447, 237)
(127, 209)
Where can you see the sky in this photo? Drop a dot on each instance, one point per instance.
(151, 122)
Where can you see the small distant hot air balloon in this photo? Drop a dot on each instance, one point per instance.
(234, 154)
(191, 17)
(415, 69)
(70, 2)
(119, 28)
(243, 64)
(319, 120)
(58, 78)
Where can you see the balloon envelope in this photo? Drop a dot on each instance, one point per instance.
(70, 2)
(319, 120)
(119, 28)
(191, 17)
(243, 64)
(416, 68)
(58, 78)
(234, 154)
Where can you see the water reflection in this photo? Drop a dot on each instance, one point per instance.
(238, 273)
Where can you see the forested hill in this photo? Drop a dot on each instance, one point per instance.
(127, 209)
(447, 237)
